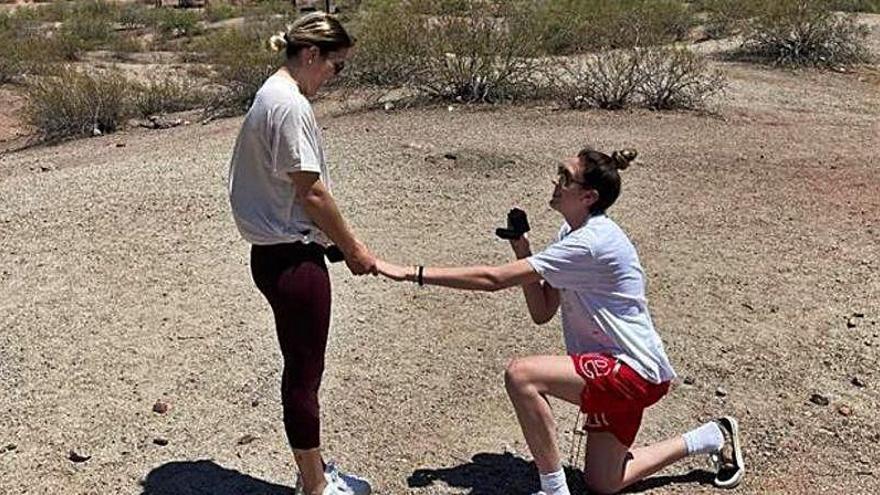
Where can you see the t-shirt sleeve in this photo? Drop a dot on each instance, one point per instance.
(294, 143)
(565, 264)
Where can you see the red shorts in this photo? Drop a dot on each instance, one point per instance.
(614, 395)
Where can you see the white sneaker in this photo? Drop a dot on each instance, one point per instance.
(339, 483)
(356, 484)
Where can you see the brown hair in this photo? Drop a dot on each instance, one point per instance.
(600, 172)
(318, 29)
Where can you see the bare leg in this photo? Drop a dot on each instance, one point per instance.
(311, 468)
(529, 380)
(611, 466)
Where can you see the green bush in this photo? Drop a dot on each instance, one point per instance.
(166, 95)
(676, 78)
(569, 26)
(215, 12)
(389, 44)
(805, 33)
(476, 58)
(174, 23)
(856, 5)
(659, 78)
(76, 104)
(242, 63)
(727, 17)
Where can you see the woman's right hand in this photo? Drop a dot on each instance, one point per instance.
(360, 260)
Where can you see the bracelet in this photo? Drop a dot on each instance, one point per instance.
(420, 277)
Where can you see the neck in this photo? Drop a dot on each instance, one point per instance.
(577, 220)
(297, 74)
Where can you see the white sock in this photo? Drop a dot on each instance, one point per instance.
(705, 439)
(554, 483)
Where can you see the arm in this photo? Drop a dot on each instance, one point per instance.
(478, 278)
(321, 208)
(541, 299)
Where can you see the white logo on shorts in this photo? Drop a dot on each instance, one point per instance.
(593, 367)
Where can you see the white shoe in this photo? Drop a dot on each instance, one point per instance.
(356, 484)
(338, 483)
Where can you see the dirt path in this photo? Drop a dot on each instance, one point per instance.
(123, 281)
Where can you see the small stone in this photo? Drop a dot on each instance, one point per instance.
(450, 156)
(8, 448)
(247, 439)
(160, 441)
(851, 323)
(389, 106)
(255, 402)
(120, 145)
(75, 456)
(858, 315)
(858, 382)
(721, 392)
(160, 407)
(819, 400)
(689, 380)
(844, 410)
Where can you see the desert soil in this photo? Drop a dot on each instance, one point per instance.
(123, 282)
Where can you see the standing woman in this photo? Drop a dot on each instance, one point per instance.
(279, 190)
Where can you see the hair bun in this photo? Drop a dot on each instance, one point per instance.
(278, 42)
(623, 158)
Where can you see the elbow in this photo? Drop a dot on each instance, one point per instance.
(493, 281)
(313, 198)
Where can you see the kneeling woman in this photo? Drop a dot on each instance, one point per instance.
(616, 365)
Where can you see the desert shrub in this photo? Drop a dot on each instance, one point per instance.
(856, 5)
(171, 23)
(220, 11)
(727, 17)
(133, 15)
(77, 104)
(389, 43)
(120, 43)
(805, 33)
(476, 58)
(10, 58)
(676, 78)
(166, 95)
(654, 77)
(608, 80)
(569, 26)
(242, 63)
(86, 32)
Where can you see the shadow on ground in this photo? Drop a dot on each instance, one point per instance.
(203, 477)
(507, 474)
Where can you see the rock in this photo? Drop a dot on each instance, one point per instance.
(75, 456)
(247, 439)
(851, 323)
(120, 145)
(255, 402)
(844, 410)
(389, 106)
(819, 400)
(160, 441)
(858, 315)
(689, 380)
(858, 382)
(450, 156)
(721, 392)
(8, 448)
(161, 407)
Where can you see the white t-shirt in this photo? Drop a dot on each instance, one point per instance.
(279, 135)
(602, 293)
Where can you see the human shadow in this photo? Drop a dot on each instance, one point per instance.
(507, 474)
(201, 477)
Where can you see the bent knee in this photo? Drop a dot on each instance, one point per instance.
(517, 375)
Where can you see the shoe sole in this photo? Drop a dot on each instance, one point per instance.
(733, 428)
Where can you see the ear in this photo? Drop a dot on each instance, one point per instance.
(313, 54)
(590, 197)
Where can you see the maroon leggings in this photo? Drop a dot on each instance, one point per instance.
(294, 279)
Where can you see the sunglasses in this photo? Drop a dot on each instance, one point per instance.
(565, 178)
(338, 66)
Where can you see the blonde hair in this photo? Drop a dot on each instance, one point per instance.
(318, 29)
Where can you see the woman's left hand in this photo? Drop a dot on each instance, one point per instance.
(392, 271)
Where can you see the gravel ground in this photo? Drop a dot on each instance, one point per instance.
(123, 282)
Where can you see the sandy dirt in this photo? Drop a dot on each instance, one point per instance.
(123, 282)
